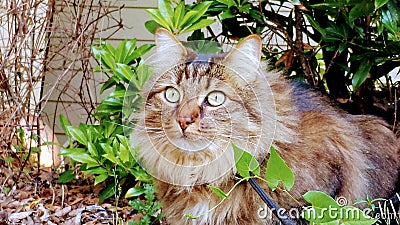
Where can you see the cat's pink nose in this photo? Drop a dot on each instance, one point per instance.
(185, 121)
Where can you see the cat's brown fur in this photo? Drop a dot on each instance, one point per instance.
(328, 150)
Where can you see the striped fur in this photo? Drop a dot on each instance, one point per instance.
(328, 150)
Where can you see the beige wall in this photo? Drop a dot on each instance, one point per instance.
(63, 81)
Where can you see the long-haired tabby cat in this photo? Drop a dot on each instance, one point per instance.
(196, 105)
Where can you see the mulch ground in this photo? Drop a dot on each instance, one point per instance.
(40, 199)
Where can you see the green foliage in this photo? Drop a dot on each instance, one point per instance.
(102, 149)
(246, 164)
(9, 160)
(278, 171)
(181, 19)
(370, 202)
(323, 209)
(148, 208)
(66, 177)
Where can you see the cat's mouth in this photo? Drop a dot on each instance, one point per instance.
(191, 140)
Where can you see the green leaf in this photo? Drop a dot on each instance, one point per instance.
(361, 75)
(97, 171)
(315, 24)
(77, 134)
(120, 52)
(324, 207)
(158, 18)
(9, 159)
(124, 72)
(130, 47)
(64, 124)
(152, 26)
(68, 151)
(124, 153)
(92, 149)
(83, 158)
(227, 14)
(66, 177)
(108, 192)
(179, 14)
(362, 8)
(194, 15)
(380, 3)
(100, 178)
(166, 9)
(390, 18)
(135, 191)
(108, 48)
(245, 162)
(227, 2)
(199, 25)
(143, 73)
(109, 83)
(221, 194)
(111, 157)
(104, 57)
(139, 52)
(342, 46)
(277, 170)
(109, 129)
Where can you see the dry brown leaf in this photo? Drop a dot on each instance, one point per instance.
(63, 211)
(19, 215)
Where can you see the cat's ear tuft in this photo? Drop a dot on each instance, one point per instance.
(168, 46)
(247, 51)
(245, 58)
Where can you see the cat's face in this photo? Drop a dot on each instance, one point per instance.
(195, 106)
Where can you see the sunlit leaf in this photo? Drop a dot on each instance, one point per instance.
(380, 3)
(278, 171)
(221, 194)
(320, 203)
(245, 162)
(227, 2)
(100, 178)
(166, 9)
(77, 134)
(158, 18)
(179, 14)
(135, 191)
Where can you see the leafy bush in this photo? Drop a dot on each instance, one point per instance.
(102, 149)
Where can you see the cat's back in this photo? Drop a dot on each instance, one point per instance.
(346, 141)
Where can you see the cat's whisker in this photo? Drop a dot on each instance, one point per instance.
(239, 139)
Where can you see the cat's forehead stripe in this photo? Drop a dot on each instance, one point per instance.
(192, 70)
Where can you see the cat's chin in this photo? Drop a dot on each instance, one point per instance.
(192, 144)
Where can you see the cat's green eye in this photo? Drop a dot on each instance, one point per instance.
(172, 95)
(216, 98)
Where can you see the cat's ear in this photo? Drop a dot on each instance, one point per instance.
(246, 56)
(169, 50)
